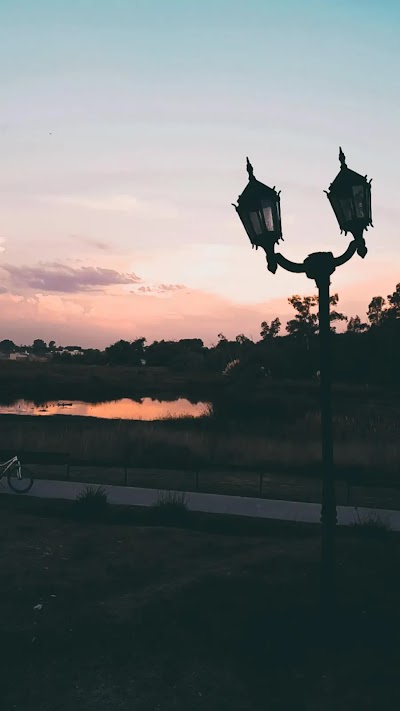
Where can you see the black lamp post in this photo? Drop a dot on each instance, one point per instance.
(259, 210)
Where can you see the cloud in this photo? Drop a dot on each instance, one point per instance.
(159, 289)
(118, 202)
(62, 278)
(96, 243)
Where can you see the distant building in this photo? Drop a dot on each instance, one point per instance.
(18, 356)
(70, 351)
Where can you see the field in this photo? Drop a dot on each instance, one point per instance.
(121, 615)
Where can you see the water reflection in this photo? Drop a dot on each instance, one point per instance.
(124, 409)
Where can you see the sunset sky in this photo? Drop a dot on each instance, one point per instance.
(124, 128)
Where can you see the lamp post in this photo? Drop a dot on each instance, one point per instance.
(259, 210)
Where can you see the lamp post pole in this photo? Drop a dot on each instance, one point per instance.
(328, 509)
(259, 210)
(320, 267)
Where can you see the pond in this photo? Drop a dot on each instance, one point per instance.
(124, 409)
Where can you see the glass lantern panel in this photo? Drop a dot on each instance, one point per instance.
(268, 217)
(358, 192)
(347, 209)
(256, 222)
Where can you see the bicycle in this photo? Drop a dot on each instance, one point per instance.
(16, 480)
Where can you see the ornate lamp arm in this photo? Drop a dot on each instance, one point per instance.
(288, 265)
(312, 264)
(351, 249)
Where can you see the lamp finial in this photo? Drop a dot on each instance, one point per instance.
(342, 159)
(249, 169)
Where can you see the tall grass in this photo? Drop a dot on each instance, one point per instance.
(171, 508)
(195, 444)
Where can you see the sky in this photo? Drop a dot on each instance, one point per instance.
(124, 129)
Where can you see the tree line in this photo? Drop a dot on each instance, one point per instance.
(365, 351)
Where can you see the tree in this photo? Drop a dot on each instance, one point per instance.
(335, 315)
(393, 311)
(138, 351)
(243, 340)
(7, 346)
(305, 324)
(119, 353)
(270, 330)
(52, 345)
(194, 345)
(39, 347)
(355, 325)
(376, 310)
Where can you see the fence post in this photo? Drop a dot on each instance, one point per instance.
(348, 492)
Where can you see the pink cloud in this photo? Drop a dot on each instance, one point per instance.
(96, 318)
(63, 278)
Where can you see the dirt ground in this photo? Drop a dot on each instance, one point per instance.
(117, 616)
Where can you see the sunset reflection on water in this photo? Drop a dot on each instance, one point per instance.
(124, 409)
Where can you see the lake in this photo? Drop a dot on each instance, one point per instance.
(124, 409)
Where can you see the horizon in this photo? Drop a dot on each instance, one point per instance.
(124, 134)
(340, 327)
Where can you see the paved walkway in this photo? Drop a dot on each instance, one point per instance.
(216, 503)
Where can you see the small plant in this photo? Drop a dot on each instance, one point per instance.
(371, 523)
(232, 366)
(92, 502)
(171, 508)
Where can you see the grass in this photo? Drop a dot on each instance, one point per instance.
(192, 443)
(371, 524)
(169, 619)
(171, 508)
(92, 503)
(220, 451)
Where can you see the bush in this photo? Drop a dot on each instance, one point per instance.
(92, 503)
(171, 508)
(371, 524)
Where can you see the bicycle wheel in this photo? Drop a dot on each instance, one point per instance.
(23, 485)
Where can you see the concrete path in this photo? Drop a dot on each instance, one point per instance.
(215, 503)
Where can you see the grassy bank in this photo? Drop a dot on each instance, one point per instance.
(362, 444)
(41, 382)
(119, 616)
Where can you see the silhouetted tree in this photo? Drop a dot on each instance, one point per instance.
(7, 346)
(39, 347)
(393, 310)
(125, 353)
(376, 310)
(355, 325)
(305, 323)
(270, 330)
(243, 340)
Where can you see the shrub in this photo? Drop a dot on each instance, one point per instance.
(171, 508)
(92, 503)
(371, 524)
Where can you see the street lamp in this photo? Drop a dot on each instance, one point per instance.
(259, 210)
